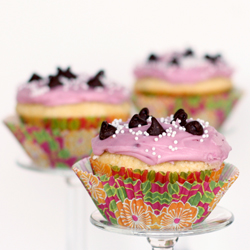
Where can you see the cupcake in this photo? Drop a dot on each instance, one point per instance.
(149, 173)
(58, 115)
(201, 84)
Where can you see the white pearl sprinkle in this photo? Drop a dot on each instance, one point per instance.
(201, 140)
(122, 131)
(204, 136)
(164, 134)
(160, 136)
(175, 148)
(162, 119)
(154, 153)
(175, 141)
(156, 139)
(117, 131)
(146, 150)
(170, 147)
(139, 125)
(114, 136)
(173, 135)
(136, 138)
(133, 132)
(206, 131)
(130, 130)
(159, 156)
(167, 130)
(207, 136)
(153, 148)
(169, 134)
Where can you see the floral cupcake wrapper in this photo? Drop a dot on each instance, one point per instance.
(71, 123)
(52, 148)
(146, 205)
(213, 108)
(154, 176)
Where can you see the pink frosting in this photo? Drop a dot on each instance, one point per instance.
(191, 69)
(211, 147)
(73, 91)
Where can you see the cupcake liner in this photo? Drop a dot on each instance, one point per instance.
(53, 148)
(213, 108)
(71, 123)
(154, 176)
(146, 205)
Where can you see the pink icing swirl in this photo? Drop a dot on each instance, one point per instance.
(73, 91)
(190, 71)
(174, 145)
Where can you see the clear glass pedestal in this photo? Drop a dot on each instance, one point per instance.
(75, 215)
(166, 240)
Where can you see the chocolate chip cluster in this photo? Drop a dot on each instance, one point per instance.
(176, 60)
(155, 129)
(54, 80)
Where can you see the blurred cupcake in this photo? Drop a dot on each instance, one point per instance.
(201, 84)
(153, 173)
(60, 114)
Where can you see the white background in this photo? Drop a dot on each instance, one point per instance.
(114, 35)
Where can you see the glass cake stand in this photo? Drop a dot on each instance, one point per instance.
(76, 219)
(165, 240)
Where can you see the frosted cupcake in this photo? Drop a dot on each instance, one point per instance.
(60, 115)
(164, 174)
(172, 149)
(200, 83)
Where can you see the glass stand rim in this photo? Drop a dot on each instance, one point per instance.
(29, 165)
(218, 219)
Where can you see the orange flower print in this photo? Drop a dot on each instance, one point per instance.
(134, 213)
(36, 153)
(94, 186)
(177, 216)
(100, 168)
(78, 143)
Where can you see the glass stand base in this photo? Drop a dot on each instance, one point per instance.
(166, 239)
(76, 219)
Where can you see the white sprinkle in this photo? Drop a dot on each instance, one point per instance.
(122, 131)
(169, 134)
(146, 150)
(162, 119)
(164, 134)
(149, 119)
(173, 135)
(175, 141)
(175, 148)
(207, 136)
(180, 128)
(117, 131)
(136, 138)
(204, 136)
(173, 122)
(139, 125)
(159, 156)
(184, 129)
(170, 147)
(174, 132)
(133, 132)
(160, 136)
(114, 136)
(130, 130)
(154, 153)
(206, 131)
(156, 139)
(153, 148)
(167, 130)
(201, 140)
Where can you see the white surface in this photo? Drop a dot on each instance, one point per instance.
(89, 35)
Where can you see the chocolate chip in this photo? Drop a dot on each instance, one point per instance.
(188, 52)
(144, 114)
(34, 77)
(106, 130)
(54, 82)
(212, 59)
(135, 121)
(95, 81)
(194, 128)
(153, 58)
(174, 61)
(155, 128)
(181, 115)
(67, 73)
